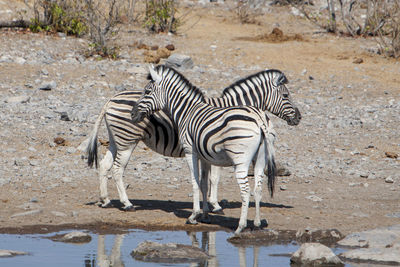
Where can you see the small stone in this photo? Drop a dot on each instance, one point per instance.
(20, 60)
(389, 180)
(358, 61)
(47, 86)
(170, 47)
(283, 187)
(11, 253)
(73, 237)
(18, 99)
(71, 150)
(45, 72)
(314, 198)
(59, 141)
(59, 214)
(391, 155)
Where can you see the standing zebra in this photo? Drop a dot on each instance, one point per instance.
(232, 136)
(158, 132)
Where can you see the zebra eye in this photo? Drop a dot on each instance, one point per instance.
(285, 95)
(147, 91)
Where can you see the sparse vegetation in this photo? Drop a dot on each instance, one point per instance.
(379, 18)
(160, 16)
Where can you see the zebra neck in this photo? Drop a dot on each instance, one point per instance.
(183, 103)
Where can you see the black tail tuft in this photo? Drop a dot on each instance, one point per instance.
(271, 176)
(92, 153)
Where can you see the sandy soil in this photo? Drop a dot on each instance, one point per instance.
(215, 40)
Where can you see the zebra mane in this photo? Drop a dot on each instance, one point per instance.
(163, 70)
(242, 80)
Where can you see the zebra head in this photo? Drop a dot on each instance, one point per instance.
(151, 100)
(281, 104)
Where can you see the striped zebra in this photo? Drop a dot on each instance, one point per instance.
(158, 132)
(231, 136)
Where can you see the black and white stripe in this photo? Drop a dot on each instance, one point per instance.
(231, 136)
(158, 132)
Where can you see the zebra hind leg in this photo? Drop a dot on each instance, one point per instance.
(205, 171)
(243, 181)
(120, 162)
(258, 178)
(214, 180)
(193, 163)
(105, 165)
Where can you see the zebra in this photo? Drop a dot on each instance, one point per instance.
(231, 136)
(159, 134)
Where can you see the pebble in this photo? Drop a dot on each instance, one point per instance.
(47, 86)
(18, 99)
(389, 180)
(27, 213)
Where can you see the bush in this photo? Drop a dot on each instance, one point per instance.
(160, 16)
(59, 16)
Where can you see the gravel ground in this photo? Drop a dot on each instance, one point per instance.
(343, 157)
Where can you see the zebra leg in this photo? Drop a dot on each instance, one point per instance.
(214, 180)
(243, 181)
(258, 179)
(105, 165)
(120, 162)
(205, 171)
(193, 163)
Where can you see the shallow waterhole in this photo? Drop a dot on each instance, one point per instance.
(115, 250)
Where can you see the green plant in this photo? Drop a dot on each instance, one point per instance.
(160, 16)
(59, 16)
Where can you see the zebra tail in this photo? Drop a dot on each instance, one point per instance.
(91, 149)
(269, 139)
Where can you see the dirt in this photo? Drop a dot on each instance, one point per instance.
(215, 39)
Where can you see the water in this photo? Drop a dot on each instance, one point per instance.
(115, 250)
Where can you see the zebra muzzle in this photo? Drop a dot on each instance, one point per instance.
(136, 115)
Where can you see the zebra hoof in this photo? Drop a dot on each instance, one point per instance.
(192, 222)
(206, 220)
(257, 228)
(129, 208)
(219, 211)
(107, 205)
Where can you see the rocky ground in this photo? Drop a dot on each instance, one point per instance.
(343, 157)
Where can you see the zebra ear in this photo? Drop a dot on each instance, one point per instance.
(154, 75)
(281, 80)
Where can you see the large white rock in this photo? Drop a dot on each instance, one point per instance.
(380, 245)
(315, 254)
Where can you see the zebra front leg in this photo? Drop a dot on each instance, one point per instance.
(119, 166)
(105, 165)
(205, 171)
(241, 177)
(193, 164)
(214, 180)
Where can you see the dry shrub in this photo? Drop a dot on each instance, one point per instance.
(385, 21)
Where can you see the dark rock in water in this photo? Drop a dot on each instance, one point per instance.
(315, 254)
(265, 237)
(326, 237)
(72, 237)
(168, 253)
